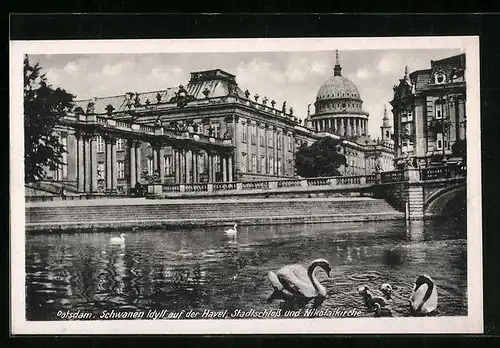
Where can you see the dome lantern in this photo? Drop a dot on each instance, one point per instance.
(337, 69)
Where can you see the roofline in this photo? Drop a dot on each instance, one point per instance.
(123, 94)
(447, 58)
(211, 70)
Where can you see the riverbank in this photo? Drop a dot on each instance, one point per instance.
(137, 213)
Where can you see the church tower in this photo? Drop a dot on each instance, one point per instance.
(386, 128)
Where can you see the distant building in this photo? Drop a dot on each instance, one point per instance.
(429, 113)
(209, 131)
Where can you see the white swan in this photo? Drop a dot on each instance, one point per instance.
(232, 231)
(297, 282)
(117, 240)
(424, 298)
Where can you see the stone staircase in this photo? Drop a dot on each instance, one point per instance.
(216, 212)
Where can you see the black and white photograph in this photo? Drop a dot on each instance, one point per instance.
(319, 185)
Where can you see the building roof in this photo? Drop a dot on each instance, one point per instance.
(203, 84)
(338, 87)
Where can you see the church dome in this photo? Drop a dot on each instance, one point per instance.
(338, 87)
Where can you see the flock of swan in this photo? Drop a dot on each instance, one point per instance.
(296, 283)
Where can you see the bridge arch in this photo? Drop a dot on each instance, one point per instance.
(448, 201)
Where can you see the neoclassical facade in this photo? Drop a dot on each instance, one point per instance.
(429, 112)
(209, 130)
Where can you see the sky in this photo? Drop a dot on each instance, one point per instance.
(294, 77)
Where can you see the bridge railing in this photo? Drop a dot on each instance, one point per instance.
(354, 181)
(444, 172)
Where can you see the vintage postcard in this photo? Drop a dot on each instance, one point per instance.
(246, 186)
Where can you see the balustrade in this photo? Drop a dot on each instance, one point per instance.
(255, 185)
(224, 186)
(392, 176)
(289, 183)
(195, 187)
(171, 188)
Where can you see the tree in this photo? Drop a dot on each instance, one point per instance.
(43, 108)
(323, 158)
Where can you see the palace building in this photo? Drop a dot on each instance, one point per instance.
(209, 130)
(429, 113)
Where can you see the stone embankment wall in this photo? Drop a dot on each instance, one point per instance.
(142, 213)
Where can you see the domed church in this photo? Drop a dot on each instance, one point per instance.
(339, 107)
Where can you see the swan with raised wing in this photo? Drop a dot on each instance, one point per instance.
(231, 232)
(424, 298)
(117, 240)
(298, 283)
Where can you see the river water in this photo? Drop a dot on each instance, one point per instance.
(201, 269)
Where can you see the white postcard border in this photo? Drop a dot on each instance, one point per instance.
(472, 323)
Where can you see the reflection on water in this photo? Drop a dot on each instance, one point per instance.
(203, 269)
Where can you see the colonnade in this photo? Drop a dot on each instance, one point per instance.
(186, 163)
(343, 126)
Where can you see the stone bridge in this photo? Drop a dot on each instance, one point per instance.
(420, 193)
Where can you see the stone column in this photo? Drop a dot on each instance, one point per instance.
(230, 165)
(237, 141)
(133, 164)
(257, 147)
(224, 169)
(194, 162)
(93, 164)
(342, 127)
(155, 158)
(214, 166)
(275, 152)
(114, 171)
(109, 167)
(210, 166)
(266, 146)
(189, 166)
(161, 154)
(80, 173)
(138, 167)
(175, 155)
(87, 171)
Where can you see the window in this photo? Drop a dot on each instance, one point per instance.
(100, 144)
(120, 144)
(290, 143)
(439, 141)
(100, 171)
(254, 163)
(254, 135)
(439, 110)
(270, 142)
(168, 164)
(215, 129)
(262, 164)
(121, 170)
(278, 140)
(410, 115)
(280, 169)
(150, 166)
(261, 137)
(244, 162)
(271, 165)
(244, 132)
